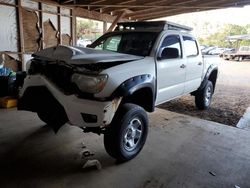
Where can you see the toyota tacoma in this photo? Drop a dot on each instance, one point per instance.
(109, 86)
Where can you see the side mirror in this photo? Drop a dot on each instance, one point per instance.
(169, 53)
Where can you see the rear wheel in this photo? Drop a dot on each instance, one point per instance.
(203, 97)
(127, 133)
(240, 58)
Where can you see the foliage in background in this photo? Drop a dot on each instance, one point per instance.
(220, 38)
(87, 29)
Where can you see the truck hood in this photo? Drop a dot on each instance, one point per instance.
(82, 56)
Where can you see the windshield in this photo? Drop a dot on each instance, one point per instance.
(135, 43)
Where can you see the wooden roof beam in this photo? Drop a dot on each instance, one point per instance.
(109, 3)
(159, 6)
(162, 14)
(66, 1)
(117, 19)
(206, 5)
(153, 13)
(159, 13)
(158, 2)
(121, 3)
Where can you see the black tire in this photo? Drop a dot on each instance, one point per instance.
(120, 137)
(240, 58)
(54, 119)
(203, 97)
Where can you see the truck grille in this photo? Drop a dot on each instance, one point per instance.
(59, 74)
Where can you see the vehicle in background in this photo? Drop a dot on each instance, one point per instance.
(216, 51)
(83, 42)
(242, 53)
(226, 53)
(202, 47)
(206, 50)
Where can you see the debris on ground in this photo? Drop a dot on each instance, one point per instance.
(153, 183)
(212, 173)
(83, 145)
(87, 153)
(236, 186)
(92, 163)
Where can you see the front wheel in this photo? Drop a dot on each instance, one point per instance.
(203, 97)
(127, 133)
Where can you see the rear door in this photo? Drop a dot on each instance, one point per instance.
(170, 72)
(194, 64)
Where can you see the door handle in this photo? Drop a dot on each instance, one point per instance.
(183, 66)
(200, 63)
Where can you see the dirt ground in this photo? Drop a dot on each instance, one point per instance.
(231, 98)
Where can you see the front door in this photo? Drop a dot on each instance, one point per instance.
(171, 71)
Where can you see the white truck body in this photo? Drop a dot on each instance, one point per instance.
(174, 77)
(108, 87)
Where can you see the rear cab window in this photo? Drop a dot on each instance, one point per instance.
(190, 46)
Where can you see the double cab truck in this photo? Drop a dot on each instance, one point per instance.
(242, 53)
(109, 86)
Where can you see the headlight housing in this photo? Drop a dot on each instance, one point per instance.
(90, 83)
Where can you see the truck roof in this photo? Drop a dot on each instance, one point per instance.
(151, 26)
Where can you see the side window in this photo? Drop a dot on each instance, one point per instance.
(191, 47)
(174, 42)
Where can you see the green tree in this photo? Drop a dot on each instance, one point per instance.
(87, 29)
(220, 38)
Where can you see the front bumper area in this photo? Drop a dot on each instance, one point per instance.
(75, 108)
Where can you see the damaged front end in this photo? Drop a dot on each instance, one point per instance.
(63, 90)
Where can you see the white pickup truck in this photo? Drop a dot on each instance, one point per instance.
(108, 86)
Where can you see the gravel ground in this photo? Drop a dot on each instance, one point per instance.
(231, 98)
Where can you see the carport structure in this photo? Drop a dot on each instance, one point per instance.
(147, 9)
(182, 152)
(32, 25)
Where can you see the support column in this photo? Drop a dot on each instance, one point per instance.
(59, 25)
(117, 19)
(73, 26)
(20, 29)
(40, 7)
(105, 26)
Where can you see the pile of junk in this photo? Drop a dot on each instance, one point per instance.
(10, 81)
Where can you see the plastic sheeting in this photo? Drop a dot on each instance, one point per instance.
(65, 30)
(50, 8)
(8, 1)
(8, 29)
(65, 25)
(30, 4)
(52, 18)
(65, 12)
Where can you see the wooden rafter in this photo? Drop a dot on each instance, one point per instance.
(180, 7)
(159, 2)
(147, 9)
(117, 19)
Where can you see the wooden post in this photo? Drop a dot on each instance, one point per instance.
(20, 29)
(73, 26)
(40, 7)
(104, 26)
(59, 25)
(117, 19)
